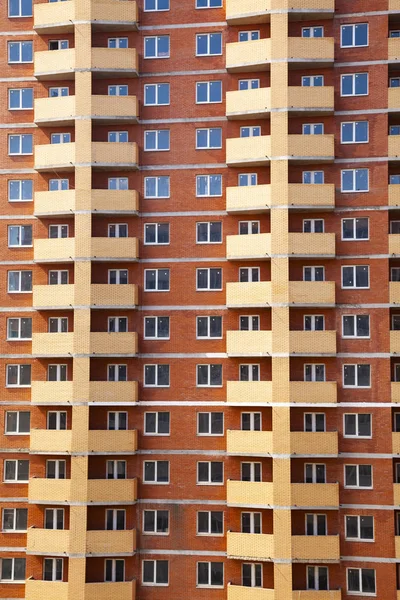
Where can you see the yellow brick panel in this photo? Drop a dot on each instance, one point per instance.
(113, 343)
(113, 391)
(62, 107)
(248, 55)
(114, 295)
(320, 547)
(110, 542)
(53, 296)
(52, 344)
(115, 248)
(47, 541)
(238, 592)
(302, 194)
(114, 58)
(255, 198)
(257, 245)
(115, 106)
(319, 146)
(248, 392)
(111, 10)
(49, 490)
(237, 9)
(250, 546)
(54, 250)
(62, 202)
(50, 61)
(318, 342)
(248, 103)
(257, 443)
(251, 151)
(394, 193)
(51, 392)
(310, 392)
(311, 97)
(112, 441)
(320, 595)
(249, 493)
(312, 244)
(315, 494)
(312, 49)
(115, 200)
(122, 590)
(249, 343)
(49, 440)
(314, 442)
(248, 294)
(395, 385)
(394, 243)
(313, 292)
(50, 590)
(112, 490)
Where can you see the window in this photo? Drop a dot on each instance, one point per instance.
(155, 572)
(156, 46)
(395, 274)
(57, 373)
(156, 328)
(252, 575)
(313, 177)
(156, 375)
(118, 137)
(118, 230)
(156, 187)
(313, 225)
(57, 420)
(118, 183)
(355, 277)
(208, 3)
(16, 471)
(357, 375)
(250, 421)
(209, 327)
(60, 138)
(359, 528)
(247, 179)
(156, 233)
(156, 280)
(15, 519)
(208, 92)
(53, 569)
(116, 469)
(355, 84)
(57, 92)
(249, 84)
(153, 5)
(156, 423)
(314, 473)
(361, 581)
(250, 131)
(355, 229)
(395, 227)
(17, 422)
(117, 373)
(308, 32)
(314, 422)
(249, 274)
(13, 569)
(312, 81)
(114, 569)
(58, 231)
(19, 8)
(58, 44)
(115, 519)
(156, 522)
(358, 476)
(117, 324)
(396, 322)
(210, 574)
(118, 42)
(209, 376)
(208, 138)
(249, 372)
(354, 132)
(20, 99)
(55, 469)
(210, 522)
(314, 372)
(248, 36)
(394, 33)
(317, 578)
(19, 235)
(118, 276)
(208, 185)
(251, 471)
(156, 471)
(18, 376)
(20, 52)
(210, 473)
(20, 190)
(355, 35)
(314, 274)
(209, 233)
(19, 329)
(394, 82)
(58, 277)
(21, 144)
(157, 140)
(58, 325)
(208, 44)
(249, 323)
(54, 518)
(355, 326)
(313, 128)
(208, 279)
(249, 227)
(156, 94)
(117, 421)
(316, 524)
(314, 323)
(118, 90)
(210, 423)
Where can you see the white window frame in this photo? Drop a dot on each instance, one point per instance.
(19, 338)
(58, 414)
(118, 416)
(12, 580)
(20, 186)
(117, 324)
(209, 385)
(20, 136)
(117, 275)
(157, 181)
(315, 524)
(16, 463)
(118, 39)
(209, 533)
(312, 127)
(360, 592)
(208, 84)
(208, 223)
(57, 464)
(209, 195)
(118, 186)
(119, 137)
(60, 321)
(312, 79)
(155, 481)
(156, 280)
(208, 130)
(356, 436)
(115, 464)
(156, 337)
(252, 465)
(209, 481)
(20, 43)
(312, 177)
(313, 267)
(313, 371)
(154, 532)
(353, 75)
(312, 319)
(359, 538)
(154, 582)
(59, 369)
(313, 421)
(156, 384)
(251, 367)
(355, 238)
(114, 512)
(312, 28)
(58, 89)
(209, 584)
(208, 288)
(314, 472)
(210, 432)
(20, 15)
(118, 227)
(313, 222)
(155, 9)
(354, 125)
(20, 90)
(157, 419)
(208, 336)
(355, 287)
(114, 562)
(356, 386)
(353, 190)
(13, 529)
(17, 431)
(357, 486)
(156, 228)
(316, 576)
(20, 228)
(54, 516)
(208, 5)
(157, 56)
(355, 336)
(157, 135)
(353, 27)
(156, 87)
(208, 44)
(116, 367)
(17, 385)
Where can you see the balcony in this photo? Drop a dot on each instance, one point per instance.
(50, 441)
(396, 494)
(249, 343)
(311, 148)
(115, 156)
(312, 245)
(248, 443)
(49, 491)
(243, 12)
(115, 201)
(112, 491)
(123, 590)
(239, 592)
(115, 249)
(394, 194)
(313, 392)
(396, 443)
(397, 546)
(249, 493)
(248, 247)
(113, 344)
(248, 294)
(248, 56)
(317, 595)
(248, 152)
(311, 52)
(314, 444)
(64, 203)
(311, 100)
(395, 342)
(394, 144)
(394, 292)
(49, 393)
(394, 243)
(316, 547)
(107, 543)
(315, 495)
(246, 393)
(248, 104)
(315, 196)
(47, 541)
(55, 111)
(53, 204)
(313, 343)
(54, 157)
(393, 99)
(54, 250)
(51, 590)
(114, 296)
(312, 293)
(395, 385)
(52, 344)
(250, 546)
(105, 109)
(53, 297)
(113, 392)
(248, 199)
(115, 442)
(54, 64)
(114, 62)
(393, 49)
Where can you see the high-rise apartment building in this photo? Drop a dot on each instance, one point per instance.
(200, 299)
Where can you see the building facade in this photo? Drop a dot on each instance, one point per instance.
(199, 299)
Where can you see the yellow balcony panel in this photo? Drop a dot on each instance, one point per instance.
(47, 541)
(250, 546)
(49, 491)
(248, 152)
(396, 443)
(318, 495)
(397, 546)
(317, 595)
(112, 344)
(312, 244)
(107, 109)
(52, 204)
(248, 104)
(312, 293)
(114, 296)
(244, 12)
(314, 443)
(49, 393)
(249, 493)
(49, 297)
(248, 199)
(110, 491)
(106, 543)
(123, 590)
(395, 342)
(318, 547)
(394, 194)
(248, 294)
(311, 148)
(112, 14)
(52, 344)
(396, 494)
(394, 243)
(394, 6)
(113, 155)
(248, 392)
(311, 52)
(112, 441)
(113, 392)
(248, 443)
(239, 592)
(394, 292)
(248, 56)
(115, 62)
(393, 49)
(313, 392)
(115, 248)
(54, 250)
(115, 201)
(51, 590)
(55, 111)
(394, 145)
(312, 343)
(394, 100)
(50, 441)
(54, 17)
(311, 100)
(54, 64)
(51, 157)
(248, 247)
(249, 343)
(302, 195)
(395, 391)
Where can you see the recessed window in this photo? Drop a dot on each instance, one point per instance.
(117, 421)
(155, 572)
(58, 325)
(157, 187)
(156, 375)
(210, 473)
(210, 522)
(209, 375)
(249, 84)
(56, 469)
(208, 138)
(118, 230)
(58, 185)
(354, 35)
(313, 129)
(209, 327)
(54, 518)
(17, 422)
(20, 52)
(208, 92)
(208, 44)
(118, 42)
(247, 179)
(250, 471)
(208, 279)
(312, 81)
(250, 131)
(117, 90)
(317, 578)
(58, 231)
(355, 229)
(58, 44)
(19, 8)
(56, 420)
(20, 99)
(313, 177)
(358, 425)
(13, 570)
(21, 144)
(19, 329)
(156, 471)
(117, 324)
(57, 373)
(208, 3)
(252, 575)
(157, 140)
(58, 277)
(354, 132)
(314, 422)
(316, 524)
(210, 423)
(313, 273)
(156, 234)
(210, 574)
(249, 323)
(157, 423)
(249, 274)
(115, 520)
(57, 92)
(354, 84)
(250, 421)
(355, 326)
(20, 190)
(249, 227)
(357, 376)
(60, 138)
(156, 94)
(394, 82)
(361, 581)
(156, 5)
(313, 226)
(314, 473)
(208, 185)
(317, 32)
(114, 570)
(116, 469)
(209, 232)
(314, 322)
(314, 372)
(249, 36)
(16, 471)
(156, 280)
(117, 373)
(18, 376)
(156, 328)
(118, 276)
(156, 46)
(249, 372)
(15, 519)
(156, 522)
(355, 277)
(119, 137)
